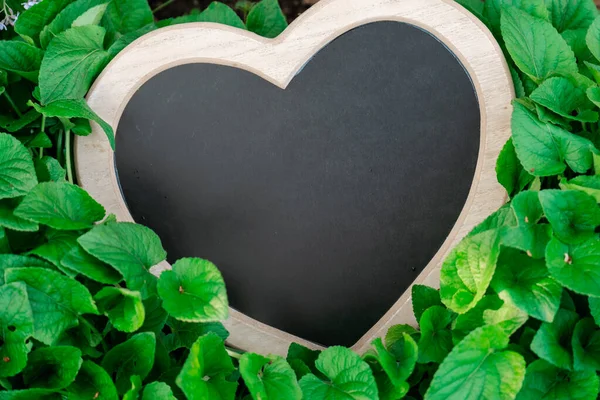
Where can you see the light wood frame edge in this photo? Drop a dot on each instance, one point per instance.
(278, 60)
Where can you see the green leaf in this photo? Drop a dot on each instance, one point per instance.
(468, 270)
(76, 108)
(32, 21)
(72, 61)
(11, 221)
(576, 266)
(92, 382)
(16, 325)
(436, 339)
(552, 342)
(56, 300)
(465, 323)
(4, 245)
(205, 372)
(79, 261)
(185, 334)
(479, 368)
(525, 282)
(508, 317)
(132, 357)
(52, 367)
(123, 308)
(49, 169)
(586, 345)
(530, 239)
(424, 297)
(266, 19)
(21, 58)
(535, 46)
(545, 381)
(573, 214)
(60, 205)
(571, 14)
(593, 38)
(269, 377)
(156, 316)
(587, 184)
(544, 149)
(502, 218)
(129, 248)
(509, 170)
(399, 361)
(127, 39)
(302, 359)
(17, 175)
(194, 291)
(158, 391)
(93, 16)
(125, 16)
(66, 19)
(527, 208)
(30, 394)
(15, 125)
(216, 12)
(565, 99)
(16, 261)
(135, 387)
(594, 303)
(492, 9)
(59, 244)
(350, 378)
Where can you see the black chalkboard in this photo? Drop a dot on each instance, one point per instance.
(320, 203)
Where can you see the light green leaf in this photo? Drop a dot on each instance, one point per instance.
(79, 261)
(205, 372)
(52, 367)
(123, 308)
(573, 215)
(509, 317)
(56, 300)
(436, 339)
(66, 19)
(544, 149)
(571, 14)
(32, 21)
(525, 282)
(536, 46)
(468, 270)
(552, 342)
(545, 381)
(9, 220)
(194, 291)
(266, 19)
(398, 362)
(60, 205)
(125, 16)
(93, 16)
(509, 170)
(565, 99)
(129, 248)
(21, 58)
(76, 108)
(593, 38)
(527, 208)
(132, 357)
(424, 297)
(92, 381)
(49, 169)
(16, 325)
(158, 391)
(17, 175)
(478, 368)
(350, 378)
(501, 218)
(587, 184)
(576, 266)
(586, 345)
(269, 377)
(72, 62)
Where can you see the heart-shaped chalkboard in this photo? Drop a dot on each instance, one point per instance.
(324, 172)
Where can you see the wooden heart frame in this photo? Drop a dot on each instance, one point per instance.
(278, 60)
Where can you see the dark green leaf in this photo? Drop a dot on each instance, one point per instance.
(92, 382)
(266, 19)
(9, 220)
(509, 170)
(424, 297)
(576, 266)
(66, 19)
(52, 367)
(269, 377)
(571, 14)
(125, 16)
(184, 334)
(586, 345)
(79, 261)
(32, 21)
(552, 342)
(17, 175)
(49, 169)
(573, 215)
(587, 184)
(16, 325)
(123, 308)
(21, 58)
(436, 339)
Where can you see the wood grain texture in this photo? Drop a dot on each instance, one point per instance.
(278, 60)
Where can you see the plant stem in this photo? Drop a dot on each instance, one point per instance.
(233, 354)
(68, 155)
(163, 5)
(12, 104)
(43, 129)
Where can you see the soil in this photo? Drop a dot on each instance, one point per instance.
(176, 8)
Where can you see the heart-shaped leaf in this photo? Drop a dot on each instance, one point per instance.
(436, 339)
(158, 391)
(17, 175)
(269, 377)
(545, 381)
(573, 215)
(576, 266)
(266, 19)
(92, 382)
(123, 308)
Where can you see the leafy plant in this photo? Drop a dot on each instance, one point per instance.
(81, 316)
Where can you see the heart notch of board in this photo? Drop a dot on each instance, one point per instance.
(324, 172)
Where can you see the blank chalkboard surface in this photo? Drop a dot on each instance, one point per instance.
(325, 171)
(320, 203)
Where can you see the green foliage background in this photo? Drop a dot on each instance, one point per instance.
(81, 316)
